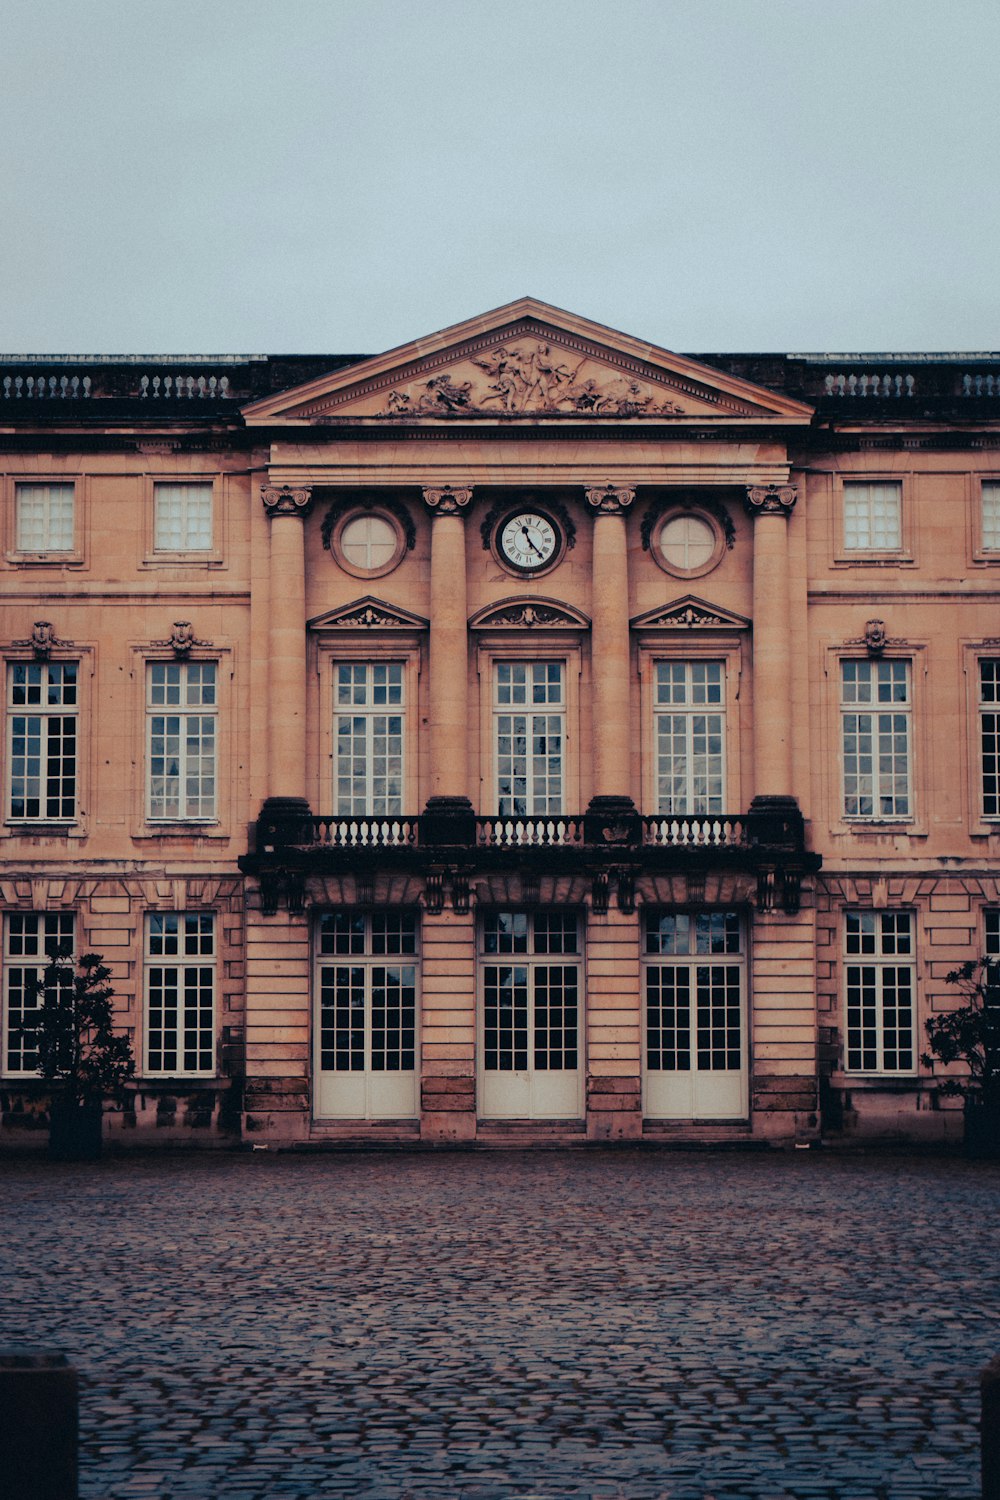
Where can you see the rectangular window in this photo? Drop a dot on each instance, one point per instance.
(368, 724)
(873, 517)
(368, 992)
(875, 725)
(529, 719)
(991, 515)
(181, 714)
(180, 993)
(44, 517)
(689, 711)
(30, 940)
(880, 992)
(42, 741)
(992, 932)
(989, 735)
(182, 517)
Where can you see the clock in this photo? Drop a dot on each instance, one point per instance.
(528, 541)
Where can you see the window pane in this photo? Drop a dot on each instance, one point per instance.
(44, 517)
(872, 517)
(182, 517)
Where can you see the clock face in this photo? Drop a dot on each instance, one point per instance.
(528, 541)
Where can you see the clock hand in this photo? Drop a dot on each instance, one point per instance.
(531, 544)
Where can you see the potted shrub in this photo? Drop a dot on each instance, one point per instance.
(80, 1055)
(970, 1034)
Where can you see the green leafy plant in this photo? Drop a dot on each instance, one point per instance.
(970, 1034)
(78, 1048)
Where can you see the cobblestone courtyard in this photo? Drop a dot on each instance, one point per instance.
(615, 1323)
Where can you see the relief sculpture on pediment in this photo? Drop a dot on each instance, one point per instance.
(530, 377)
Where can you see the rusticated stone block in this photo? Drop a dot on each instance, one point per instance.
(600, 1085)
(795, 1093)
(617, 1102)
(452, 1095)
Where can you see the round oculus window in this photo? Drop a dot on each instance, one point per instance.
(368, 543)
(688, 544)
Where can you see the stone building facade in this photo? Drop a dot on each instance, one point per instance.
(528, 734)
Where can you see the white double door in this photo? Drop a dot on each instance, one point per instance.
(695, 1017)
(531, 1001)
(366, 1022)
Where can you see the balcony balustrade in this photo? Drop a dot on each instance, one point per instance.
(680, 831)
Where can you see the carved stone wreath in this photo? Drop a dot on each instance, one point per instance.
(341, 507)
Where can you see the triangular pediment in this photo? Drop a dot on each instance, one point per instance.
(529, 614)
(689, 613)
(526, 360)
(368, 613)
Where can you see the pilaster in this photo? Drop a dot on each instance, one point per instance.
(770, 506)
(448, 687)
(287, 509)
(610, 689)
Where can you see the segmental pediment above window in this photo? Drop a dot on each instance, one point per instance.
(529, 614)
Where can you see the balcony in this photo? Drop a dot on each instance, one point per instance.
(454, 843)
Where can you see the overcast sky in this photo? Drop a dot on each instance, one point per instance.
(344, 175)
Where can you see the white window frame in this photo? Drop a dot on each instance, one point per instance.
(56, 524)
(866, 504)
(696, 716)
(988, 726)
(52, 744)
(879, 713)
(192, 537)
(988, 520)
(378, 739)
(879, 947)
(332, 645)
(724, 648)
(27, 953)
(847, 486)
(180, 960)
(184, 712)
(539, 676)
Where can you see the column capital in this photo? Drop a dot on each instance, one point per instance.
(771, 499)
(609, 499)
(283, 500)
(447, 501)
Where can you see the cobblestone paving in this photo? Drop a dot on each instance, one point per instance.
(593, 1324)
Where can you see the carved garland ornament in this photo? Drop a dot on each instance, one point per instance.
(529, 377)
(182, 639)
(42, 640)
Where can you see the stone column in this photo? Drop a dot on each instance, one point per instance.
(770, 506)
(609, 649)
(449, 664)
(286, 759)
